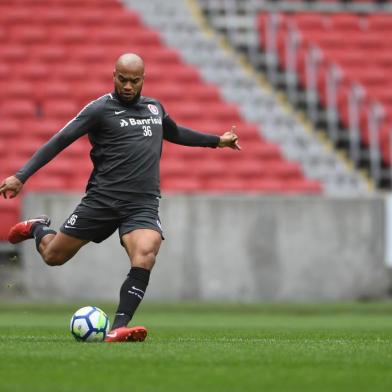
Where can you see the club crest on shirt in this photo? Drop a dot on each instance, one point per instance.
(153, 109)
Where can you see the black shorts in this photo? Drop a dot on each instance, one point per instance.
(96, 219)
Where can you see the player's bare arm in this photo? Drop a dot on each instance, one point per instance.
(229, 139)
(10, 187)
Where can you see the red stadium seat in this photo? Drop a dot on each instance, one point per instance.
(91, 54)
(66, 36)
(9, 127)
(19, 109)
(43, 129)
(30, 34)
(53, 16)
(380, 22)
(60, 109)
(345, 22)
(200, 92)
(4, 72)
(71, 71)
(183, 184)
(225, 185)
(50, 54)
(18, 90)
(269, 185)
(173, 168)
(13, 54)
(33, 71)
(85, 93)
(16, 16)
(53, 91)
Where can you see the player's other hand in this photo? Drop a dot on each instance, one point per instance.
(229, 139)
(10, 187)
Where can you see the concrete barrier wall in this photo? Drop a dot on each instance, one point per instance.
(237, 248)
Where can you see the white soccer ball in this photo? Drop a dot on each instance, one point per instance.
(89, 324)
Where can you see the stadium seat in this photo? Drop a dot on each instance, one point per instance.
(225, 185)
(182, 184)
(53, 16)
(34, 71)
(13, 54)
(9, 127)
(30, 34)
(71, 72)
(60, 109)
(15, 16)
(49, 54)
(52, 91)
(18, 108)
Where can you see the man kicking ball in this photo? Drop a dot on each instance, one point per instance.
(126, 132)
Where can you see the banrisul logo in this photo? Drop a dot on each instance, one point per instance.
(153, 109)
(140, 121)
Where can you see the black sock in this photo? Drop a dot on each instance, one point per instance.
(131, 293)
(40, 231)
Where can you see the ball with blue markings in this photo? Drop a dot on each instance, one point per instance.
(89, 324)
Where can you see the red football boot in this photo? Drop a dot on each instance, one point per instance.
(24, 230)
(126, 334)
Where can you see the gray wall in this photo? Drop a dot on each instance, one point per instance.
(238, 248)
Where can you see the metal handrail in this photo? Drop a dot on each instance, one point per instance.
(292, 42)
(355, 98)
(333, 79)
(312, 61)
(375, 116)
(272, 25)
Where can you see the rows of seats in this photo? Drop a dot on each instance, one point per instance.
(361, 45)
(57, 55)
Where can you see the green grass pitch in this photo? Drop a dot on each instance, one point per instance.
(203, 347)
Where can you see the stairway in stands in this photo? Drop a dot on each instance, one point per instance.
(57, 55)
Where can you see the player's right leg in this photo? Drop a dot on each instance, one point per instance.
(55, 248)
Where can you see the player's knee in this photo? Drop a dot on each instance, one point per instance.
(144, 259)
(53, 258)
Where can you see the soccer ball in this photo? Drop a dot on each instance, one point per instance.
(89, 324)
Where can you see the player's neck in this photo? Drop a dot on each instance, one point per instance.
(127, 103)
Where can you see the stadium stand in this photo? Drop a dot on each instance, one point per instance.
(359, 65)
(58, 55)
(364, 57)
(257, 102)
(267, 34)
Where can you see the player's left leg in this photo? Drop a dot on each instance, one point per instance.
(142, 246)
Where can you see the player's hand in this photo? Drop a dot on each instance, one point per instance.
(10, 187)
(229, 139)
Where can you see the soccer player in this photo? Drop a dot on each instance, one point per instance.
(126, 131)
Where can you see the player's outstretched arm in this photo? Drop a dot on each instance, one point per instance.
(187, 137)
(229, 139)
(12, 186)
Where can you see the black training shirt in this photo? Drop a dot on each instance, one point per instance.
(126, 141)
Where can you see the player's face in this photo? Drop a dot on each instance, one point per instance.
(128, 84)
